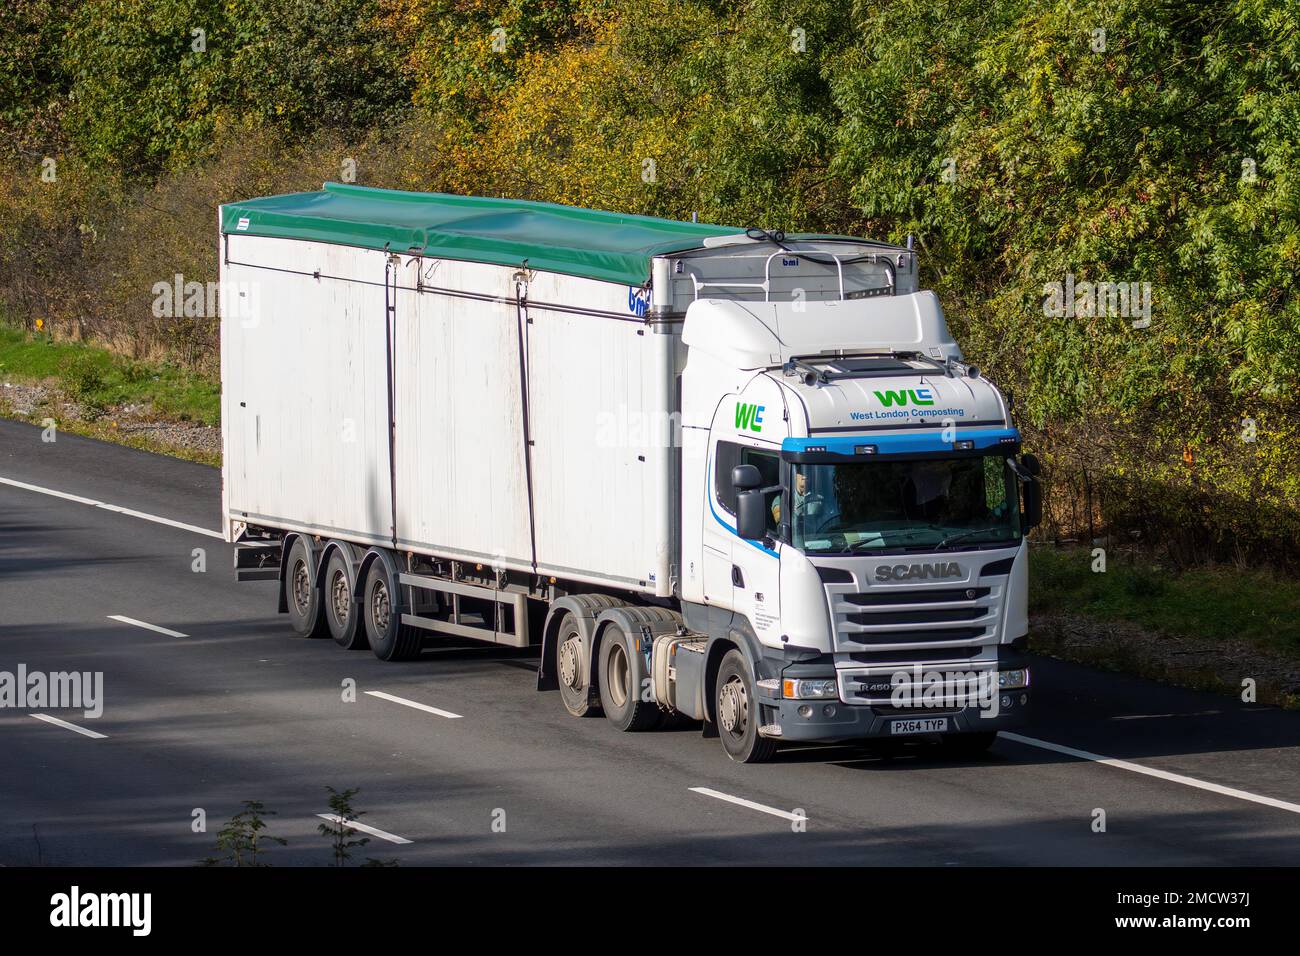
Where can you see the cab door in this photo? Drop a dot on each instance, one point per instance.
(741, 574)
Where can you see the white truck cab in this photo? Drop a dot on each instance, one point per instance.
(852, 521)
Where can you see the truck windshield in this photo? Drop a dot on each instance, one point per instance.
(909, 505)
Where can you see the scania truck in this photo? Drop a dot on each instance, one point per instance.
(728, 475)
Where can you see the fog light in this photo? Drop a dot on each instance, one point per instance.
(1006, 702)
(805, 711)
(828, 711)
(1024, 699)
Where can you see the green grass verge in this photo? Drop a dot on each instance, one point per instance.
(1220, 602)
(98, 378)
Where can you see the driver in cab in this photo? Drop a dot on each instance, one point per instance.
(806, 505)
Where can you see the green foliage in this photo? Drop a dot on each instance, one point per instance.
(240, 842)
(151, 83)
(1222, 603)
(101, 379)
(343, 838)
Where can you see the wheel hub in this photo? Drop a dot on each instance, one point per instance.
(733, 707)
(569, 669)
(379, 606)
(618, 675)
(301, 587)
(341, 596)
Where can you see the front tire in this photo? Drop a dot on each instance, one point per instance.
(306, 611)
(575, 691)
(735, 704)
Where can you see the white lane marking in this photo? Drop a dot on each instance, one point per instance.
(741, 801)
(118, 509)
(151, 627)
(411, 703)
(382, 834)
(67, 726)
(1152, 772)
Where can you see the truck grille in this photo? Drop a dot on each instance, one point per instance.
(884, 629)
(902, 623)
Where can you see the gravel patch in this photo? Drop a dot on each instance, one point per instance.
(35, 401)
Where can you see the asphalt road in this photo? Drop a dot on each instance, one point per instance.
(241, 709)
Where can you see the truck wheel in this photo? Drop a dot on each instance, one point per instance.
(306, 613)
(736, 706)
(968, 745)
(574, 691)
(622, 675)
(341, 611)
(390, 639)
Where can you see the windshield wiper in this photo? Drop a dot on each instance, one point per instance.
(965, 534)
(910, 532)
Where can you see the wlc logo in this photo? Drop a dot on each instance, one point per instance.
(918, 396)
(749, 417)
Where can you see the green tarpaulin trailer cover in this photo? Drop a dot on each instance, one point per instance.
(552, 238)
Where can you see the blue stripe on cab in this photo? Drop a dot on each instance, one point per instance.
(908, 443)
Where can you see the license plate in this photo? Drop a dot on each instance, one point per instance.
(927, 725)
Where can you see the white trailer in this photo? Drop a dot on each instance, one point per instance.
(622, 439)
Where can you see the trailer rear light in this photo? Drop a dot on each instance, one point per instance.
(809, 689)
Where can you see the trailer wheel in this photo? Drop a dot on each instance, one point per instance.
(622, 675)
(390, 639)
(341, 611)
(736, 707)
(306, 613)
(574, 690)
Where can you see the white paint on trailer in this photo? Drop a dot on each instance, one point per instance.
(305, 389)
(313, 358)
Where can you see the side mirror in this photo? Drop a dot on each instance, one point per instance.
(1031, 464)
(745, 477)
(1033, 502)
(751, 511)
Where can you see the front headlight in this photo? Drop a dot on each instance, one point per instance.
(809, 689)
(1013, 680)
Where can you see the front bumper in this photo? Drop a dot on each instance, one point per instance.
(831, 720)
(855, 721)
